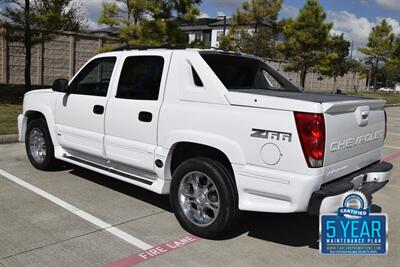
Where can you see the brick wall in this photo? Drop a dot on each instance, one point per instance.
(65, 54)
(316, 82)
(59, 58)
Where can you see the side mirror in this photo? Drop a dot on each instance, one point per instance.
(60, 85)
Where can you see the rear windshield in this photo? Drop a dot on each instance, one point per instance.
(238, 72)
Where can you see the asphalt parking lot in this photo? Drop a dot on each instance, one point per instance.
(75, 217)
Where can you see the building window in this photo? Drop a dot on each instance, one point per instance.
(198, 36)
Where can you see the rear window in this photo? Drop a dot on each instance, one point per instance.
(242, 72)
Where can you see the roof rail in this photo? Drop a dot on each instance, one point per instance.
(146, 47)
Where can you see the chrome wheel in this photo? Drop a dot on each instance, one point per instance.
(199, 198)
(37, 145)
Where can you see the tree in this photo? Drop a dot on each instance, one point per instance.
(336, 63)
(306, 36)
(149, 22)
(379, 48)
(395, 60)
(37, 19)
(254, 27)
(61, 15)
(389, 74)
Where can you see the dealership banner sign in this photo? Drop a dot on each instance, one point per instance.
(353, 230)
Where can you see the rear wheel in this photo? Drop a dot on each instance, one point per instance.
(203, 197)
(39, 147)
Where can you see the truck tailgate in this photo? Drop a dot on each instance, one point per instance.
(353, 128)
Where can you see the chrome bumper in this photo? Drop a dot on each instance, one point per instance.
(367, 180)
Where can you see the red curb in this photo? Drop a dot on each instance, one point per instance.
(392, 157)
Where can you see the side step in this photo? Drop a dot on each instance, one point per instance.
(110, 170)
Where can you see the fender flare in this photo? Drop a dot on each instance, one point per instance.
(49, 117)
(229, 147)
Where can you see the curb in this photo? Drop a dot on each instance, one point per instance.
(392, 105)
(8, 139)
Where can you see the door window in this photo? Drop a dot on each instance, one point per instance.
(141, 78)
(95, 78)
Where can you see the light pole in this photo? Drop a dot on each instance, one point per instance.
(223, 17)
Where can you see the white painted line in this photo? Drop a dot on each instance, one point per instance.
(397, 119)
(394, 147)
(83, 214)
(397, 134)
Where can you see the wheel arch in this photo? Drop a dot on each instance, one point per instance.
(37, 113)
(182, 151)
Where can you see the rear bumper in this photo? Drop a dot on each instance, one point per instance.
(367, 180)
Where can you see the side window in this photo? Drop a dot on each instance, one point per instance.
(141, 78)
(94, 79)
(196, 78)
(271, 81)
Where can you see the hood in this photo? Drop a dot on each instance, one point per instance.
(39, 91)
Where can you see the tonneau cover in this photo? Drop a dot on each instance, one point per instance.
(311, 97)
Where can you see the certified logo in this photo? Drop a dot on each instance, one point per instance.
(355, 205)
(353, 230)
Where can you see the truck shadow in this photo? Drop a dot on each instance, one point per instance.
(296, 229)
(160, 201)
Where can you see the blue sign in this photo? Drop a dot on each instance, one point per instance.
(353, 230)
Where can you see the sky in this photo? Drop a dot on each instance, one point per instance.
(353, 18)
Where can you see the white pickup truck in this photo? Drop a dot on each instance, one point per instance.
(219, 132)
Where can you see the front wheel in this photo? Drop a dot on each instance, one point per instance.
(39, 146)
(204, 197)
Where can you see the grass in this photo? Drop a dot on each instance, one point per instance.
(8, 118)
(11, 97)
(390, 98)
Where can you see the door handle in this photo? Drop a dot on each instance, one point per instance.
(145, 116)
(97, 109)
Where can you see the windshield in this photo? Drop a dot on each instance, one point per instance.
(238, 72)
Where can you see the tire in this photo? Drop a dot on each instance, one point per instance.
(218, 206)
(40, 155)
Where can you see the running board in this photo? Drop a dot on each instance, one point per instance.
(110, 170)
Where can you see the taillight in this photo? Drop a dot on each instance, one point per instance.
(385, 124)
(311, 130)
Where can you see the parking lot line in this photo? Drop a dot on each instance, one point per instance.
(83, 214)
